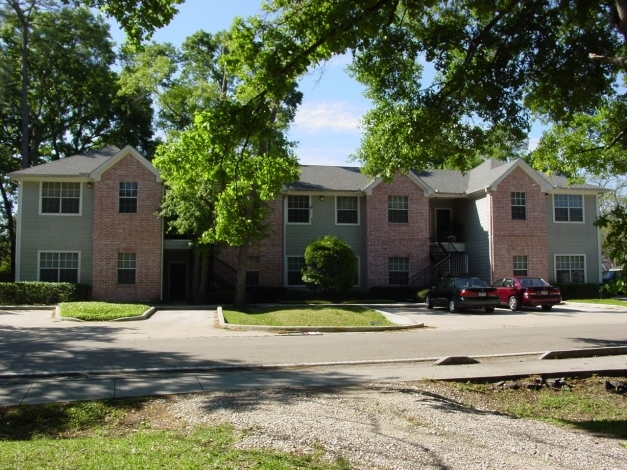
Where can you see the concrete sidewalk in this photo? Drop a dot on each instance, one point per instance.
(29, 390)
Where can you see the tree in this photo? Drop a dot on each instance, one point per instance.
(330, 266)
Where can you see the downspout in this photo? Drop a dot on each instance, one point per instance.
(600, 253)
(490, 236)
(18, 232)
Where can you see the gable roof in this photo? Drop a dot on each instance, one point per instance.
(90, 165)
(330, 178)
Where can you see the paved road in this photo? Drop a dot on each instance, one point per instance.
(30, 341)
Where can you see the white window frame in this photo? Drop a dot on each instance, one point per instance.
(336, 211)
(408, 268)
(287, 210)
(56, 214)
(585, 264)
(524, 260)
(583, 210)
(287, 271)
(517, 198)
(117, 270)
(39, 252)
(129, 197)
(406, 198)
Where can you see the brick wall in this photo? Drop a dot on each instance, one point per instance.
(270, 251)
(385, 240)
(139, 233)
(519, 237)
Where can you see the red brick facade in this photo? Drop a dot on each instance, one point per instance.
(385, 240)
(519, 237)
(139, 233)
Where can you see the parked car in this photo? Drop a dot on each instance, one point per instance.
(523, 291)
(460, 292)
(612, 274)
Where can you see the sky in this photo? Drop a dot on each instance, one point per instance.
(326, 127)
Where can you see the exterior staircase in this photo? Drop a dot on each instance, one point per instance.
(443, 263)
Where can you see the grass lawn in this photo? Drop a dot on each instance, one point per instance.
(586, 406)
(96, 435)
(601, 301)
(308, 316)
(100, 311)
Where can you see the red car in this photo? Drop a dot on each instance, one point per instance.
(523, 291)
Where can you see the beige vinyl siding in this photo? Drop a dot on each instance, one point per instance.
(54, 232)
(476, 220)
(565, 238)
(297, 237)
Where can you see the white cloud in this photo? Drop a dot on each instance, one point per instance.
(323, 116)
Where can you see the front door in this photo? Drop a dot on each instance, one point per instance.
(178, 282)
(442, 224)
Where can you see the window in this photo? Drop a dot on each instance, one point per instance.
(570, 269)
(398, 269)
(568, 207)
(298, 209)
(252, 271)
(521, 265)
(519, 206)
(347, 210)
(60, 198)
(58, 266)
(294, 266)
(398, 209)
(128, 198)
(127, 267)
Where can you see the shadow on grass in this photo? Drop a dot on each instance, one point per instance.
(604, 427)
(27, 422)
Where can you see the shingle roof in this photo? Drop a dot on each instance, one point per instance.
(562, 182)
(77, 165)
(330, 178)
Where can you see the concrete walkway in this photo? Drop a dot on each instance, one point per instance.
(15, 390)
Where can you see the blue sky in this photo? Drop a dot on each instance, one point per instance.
(327, 123)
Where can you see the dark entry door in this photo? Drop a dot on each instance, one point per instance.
(442, 224)
(178, 282)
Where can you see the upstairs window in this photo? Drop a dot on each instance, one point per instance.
(519, 206)
(398, 209)
(60, 198)
(298, 209)
(568, 207)
(58, 267)
(127, 268)
(347, 210)
(521, 265)
(128, 198)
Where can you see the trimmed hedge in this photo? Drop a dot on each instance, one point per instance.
(400, 294)
(579, 291)
(224, 297)
(42, 293)
(266, 294)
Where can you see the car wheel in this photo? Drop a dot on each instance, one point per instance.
(546, 308)
(489, 309)
(513, 303)
(452, 307)
(428, 302)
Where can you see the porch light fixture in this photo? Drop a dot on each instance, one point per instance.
(322, 198)
(89, 185)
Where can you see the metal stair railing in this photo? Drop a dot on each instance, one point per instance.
(431, 273)
(224, 274)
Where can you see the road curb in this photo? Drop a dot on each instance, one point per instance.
(588, 352)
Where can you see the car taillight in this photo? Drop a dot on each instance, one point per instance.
(529, 292)
(493, 294)
(557, 292)
(468, 293)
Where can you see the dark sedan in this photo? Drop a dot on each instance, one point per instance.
(460, 292)
(523, 291)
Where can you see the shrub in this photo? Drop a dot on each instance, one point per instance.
(330, 266)
(420, 296)
(579, 291)
(265, 294)
(224, 297)
(401, 294)
(42, 293)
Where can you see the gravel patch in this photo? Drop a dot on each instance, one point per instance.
(396, 426)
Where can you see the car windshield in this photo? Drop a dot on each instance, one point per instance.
(466, 282)
(608, 275)
(533, 282)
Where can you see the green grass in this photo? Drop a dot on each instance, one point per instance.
(310, 316)
(93, 435)
(601, 301)
(100, 311)
(587, 406)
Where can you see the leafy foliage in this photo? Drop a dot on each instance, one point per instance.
(41, 293)
(330, 266)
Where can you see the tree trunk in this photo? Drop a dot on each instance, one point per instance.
(239, 302)
(203, 285)
(197, 271)
(8, 215)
